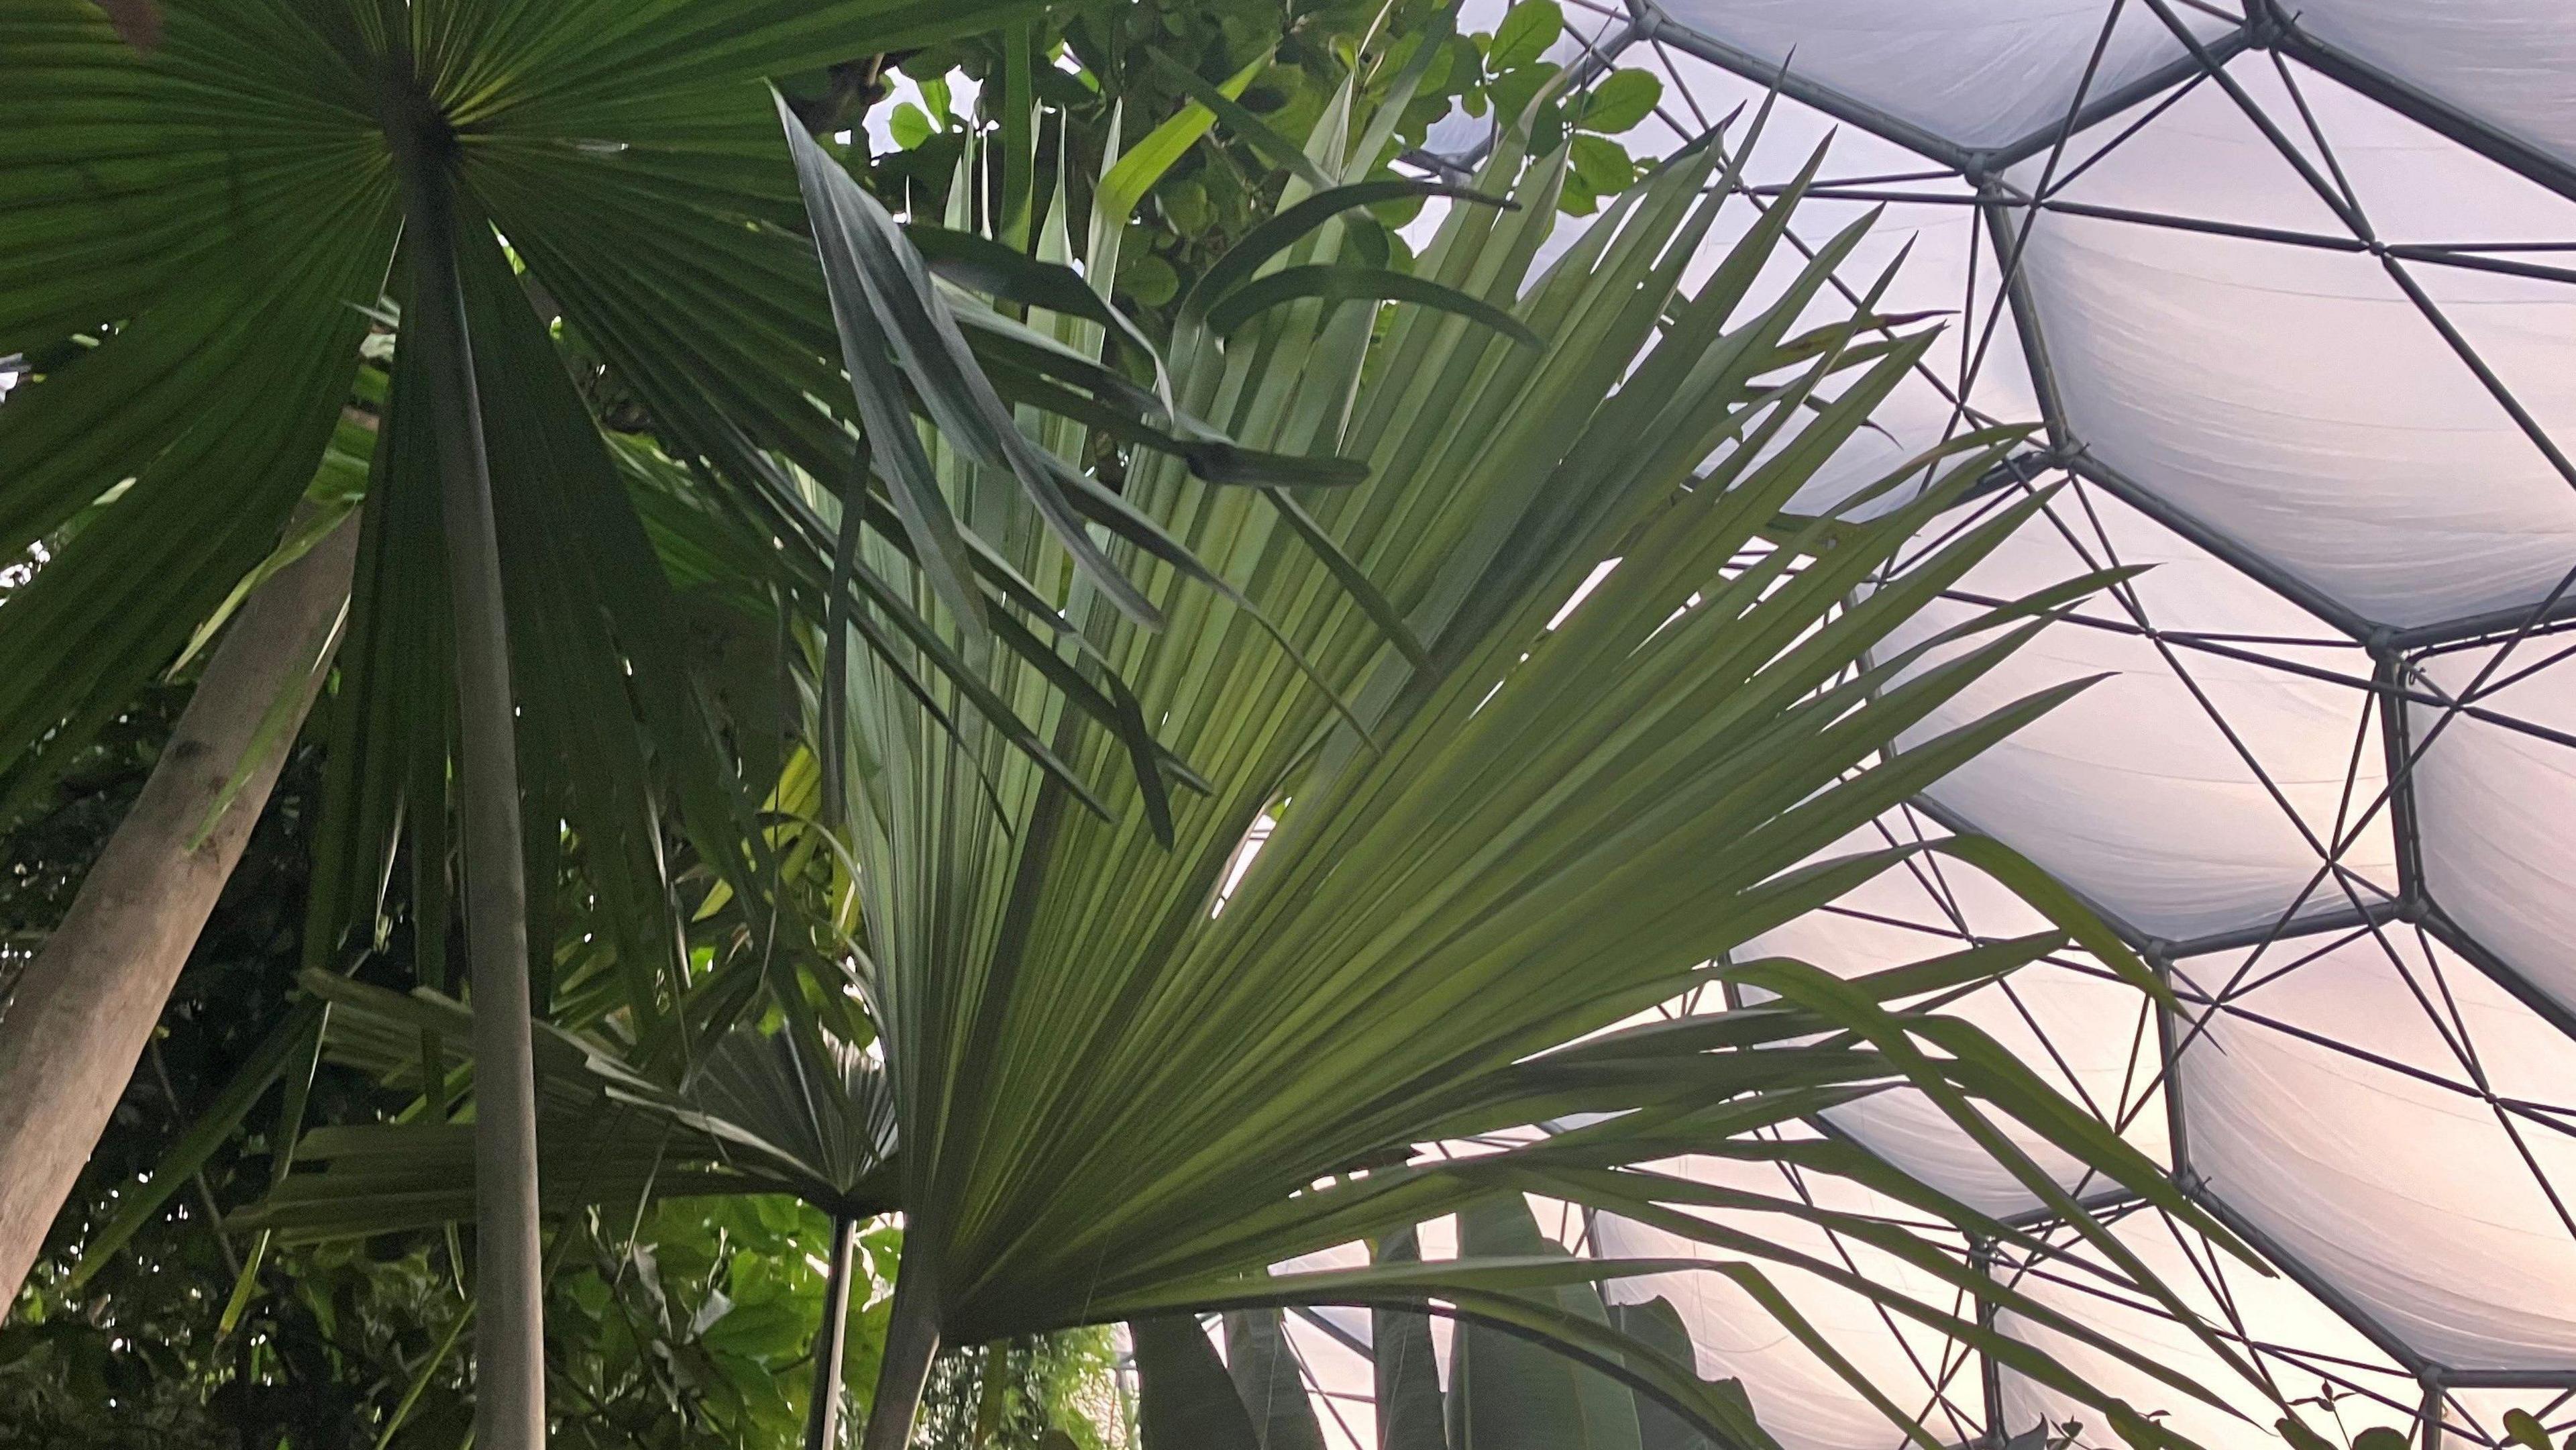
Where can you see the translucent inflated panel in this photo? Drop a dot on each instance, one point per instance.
(1976, 72)
(2259, 1328)
(2495, 798)
(2397, 1123)
(2505, 62)
(2196, 786)
(2300, 396)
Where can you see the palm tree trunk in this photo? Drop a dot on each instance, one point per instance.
(832, 1339)
(911, 1342)
(509, 1333)
(85, 1008)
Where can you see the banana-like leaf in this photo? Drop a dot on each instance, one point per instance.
(1656, 1322)
(1184, 1399)
(1508, 1394)
(1504, 1391)
(1268, 1378)
(1405, 1366)
(1517, 1295)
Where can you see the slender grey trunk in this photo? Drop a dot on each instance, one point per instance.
(912, 1341)
(509, 1330)
(822, 1429)
(85, 1008)
(832, 1339)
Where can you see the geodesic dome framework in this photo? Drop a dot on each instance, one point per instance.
(2288, 288)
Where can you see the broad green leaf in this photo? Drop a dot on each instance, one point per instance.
(1602, 164)
(1149, 279)
(1508, 1394)
(909, 126)
(1621, 102)
(1184, 1399)
(1267, 1376)
(1411, 1414)
(1526, 31)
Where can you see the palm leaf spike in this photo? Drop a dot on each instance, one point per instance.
(1506, 1392)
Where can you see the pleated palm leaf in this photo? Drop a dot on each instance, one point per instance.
(760, 1113)
(793, 1112)
(1130, 1074)
(797, 1110)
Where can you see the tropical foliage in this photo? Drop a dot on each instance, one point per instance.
(1147, 61)
(221, 206)
(257, 159)
(689, 1325)
(143, 1325)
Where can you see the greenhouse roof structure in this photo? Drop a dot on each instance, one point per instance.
(2290, 290)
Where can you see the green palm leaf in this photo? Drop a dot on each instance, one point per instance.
(1131, 1075)
(760, 1114)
